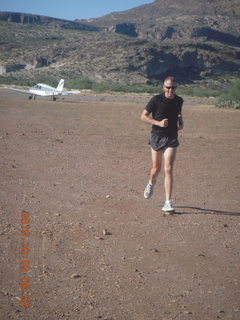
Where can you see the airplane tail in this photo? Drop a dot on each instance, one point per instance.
(60, 85)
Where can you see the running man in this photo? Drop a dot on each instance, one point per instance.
(164, 112)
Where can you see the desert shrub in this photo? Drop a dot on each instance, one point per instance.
(198, 92)
(227, 103)
(29, 82)
(117, 87)
(231, 97)
(100, 87)
(80, 83)
(13, 81)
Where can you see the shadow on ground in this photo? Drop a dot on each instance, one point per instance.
(198, 210)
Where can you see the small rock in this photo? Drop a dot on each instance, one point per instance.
(59, 140)
(99, 238)
(107, 196)
(225, 225)
(201, 255)
(106, 233)
(75, 276)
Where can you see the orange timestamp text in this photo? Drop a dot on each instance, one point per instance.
(25, 265)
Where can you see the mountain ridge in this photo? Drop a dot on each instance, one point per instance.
(28, 18)
(177, 19)
(139, 45)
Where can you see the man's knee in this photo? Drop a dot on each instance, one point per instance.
(156, 169)
(168, 168)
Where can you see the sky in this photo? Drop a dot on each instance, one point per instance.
(70, 9)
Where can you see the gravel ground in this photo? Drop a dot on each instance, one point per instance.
(79, 241)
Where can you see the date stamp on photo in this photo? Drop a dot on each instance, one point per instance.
(25, 265)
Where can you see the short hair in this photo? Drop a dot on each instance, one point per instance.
(169, 79)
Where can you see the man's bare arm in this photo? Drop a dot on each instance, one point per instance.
(180, 122)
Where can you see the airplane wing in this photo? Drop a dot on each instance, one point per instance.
(35, 93)
(15, 89)
(66, 93)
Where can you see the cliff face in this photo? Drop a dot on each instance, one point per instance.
(189, 39)
(216, 20)
(174, 32)
(24, 18)
(203, 7)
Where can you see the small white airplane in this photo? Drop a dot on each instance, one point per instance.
(44, 90)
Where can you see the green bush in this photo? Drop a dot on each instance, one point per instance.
(116, 87)
(80, 83)
(198, 92)
(29, 82)
(230, 98)
(13, 81)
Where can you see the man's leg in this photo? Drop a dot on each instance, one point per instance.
(156, 165)
(169, 158)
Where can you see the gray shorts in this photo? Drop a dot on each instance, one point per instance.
(159, 143)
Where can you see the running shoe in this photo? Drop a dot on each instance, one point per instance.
(148, 191)
(168, 206)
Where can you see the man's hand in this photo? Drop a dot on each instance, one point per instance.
(145, 116)
(163, 123)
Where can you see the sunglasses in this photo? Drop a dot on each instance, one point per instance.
(171, 87)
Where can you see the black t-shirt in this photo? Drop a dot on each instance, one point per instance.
(163, 108)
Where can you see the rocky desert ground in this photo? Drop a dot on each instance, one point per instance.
(79, 241)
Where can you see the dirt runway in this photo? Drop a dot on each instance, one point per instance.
(79, 241)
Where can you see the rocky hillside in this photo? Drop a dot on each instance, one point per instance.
(178, 19)
(24, 18)
(186, 38)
